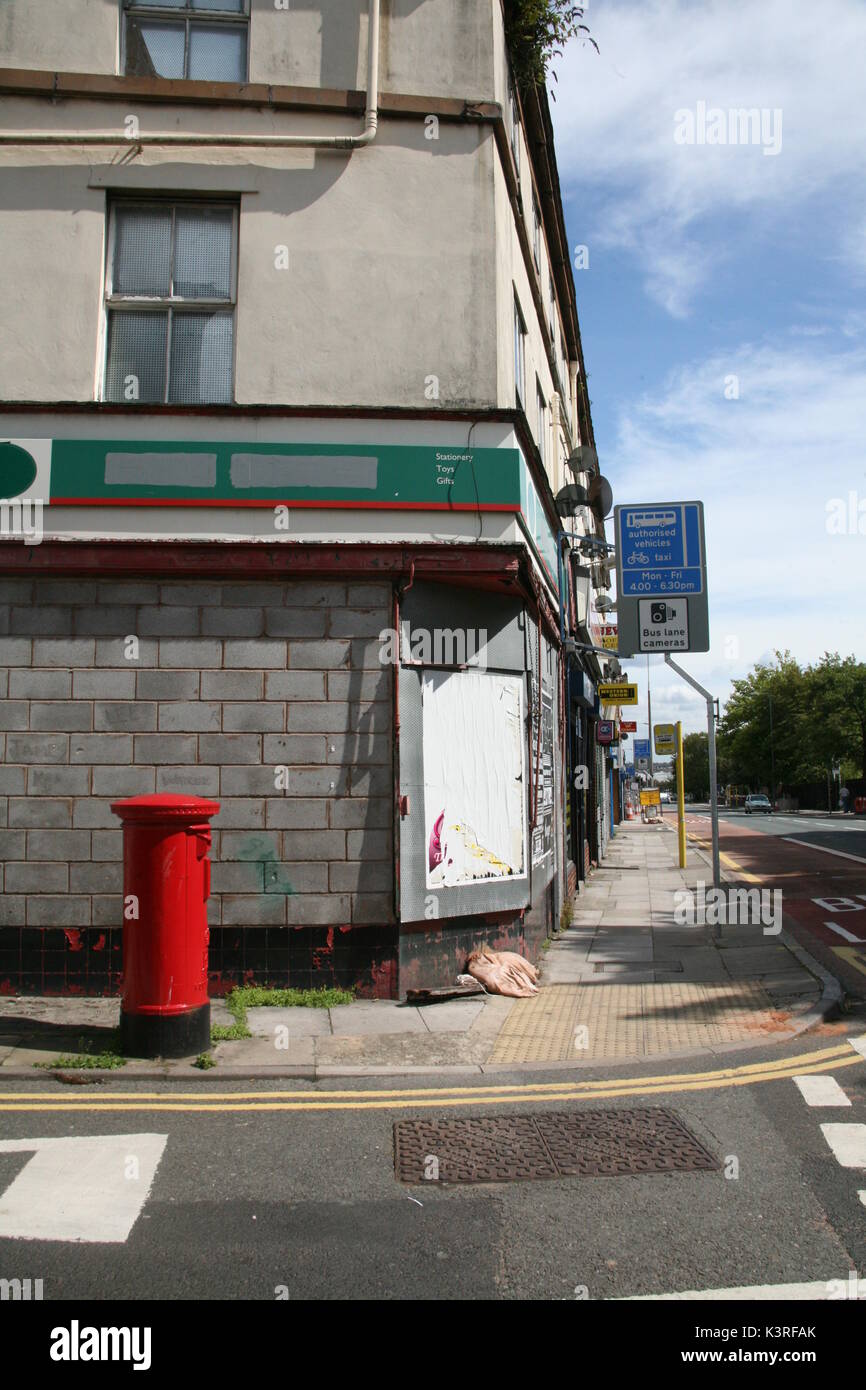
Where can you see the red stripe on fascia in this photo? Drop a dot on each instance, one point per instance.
(284, 502)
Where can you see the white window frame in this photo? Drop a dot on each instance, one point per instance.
(515, 126)
(519, 353)
(141, 9)
(536, 232)
(553, 314)
(172, 303)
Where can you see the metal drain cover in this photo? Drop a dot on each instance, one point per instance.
(558, 1143)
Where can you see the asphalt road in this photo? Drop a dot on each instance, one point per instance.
(259, 1204)
(818, 865)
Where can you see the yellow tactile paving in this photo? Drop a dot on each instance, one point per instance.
(584, 1022)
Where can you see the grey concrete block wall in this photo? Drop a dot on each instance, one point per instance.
(227, 683)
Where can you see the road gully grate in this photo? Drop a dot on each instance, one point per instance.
(559, 1143)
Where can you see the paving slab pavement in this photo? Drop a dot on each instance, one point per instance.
(624, 981)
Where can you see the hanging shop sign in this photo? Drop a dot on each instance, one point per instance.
(665, 739)
(614, 694)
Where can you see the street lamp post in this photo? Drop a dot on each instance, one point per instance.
(649, 715)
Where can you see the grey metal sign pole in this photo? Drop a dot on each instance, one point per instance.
(711, 745)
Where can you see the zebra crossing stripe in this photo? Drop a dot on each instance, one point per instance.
(821, 1090)
(848, 1143)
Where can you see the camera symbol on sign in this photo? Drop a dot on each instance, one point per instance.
(659, 613)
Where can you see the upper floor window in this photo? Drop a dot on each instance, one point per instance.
(519, 354)
(536, 232)
(552, 313)
(542, 423)
(203, 39)
(170, 297)
(515, 127)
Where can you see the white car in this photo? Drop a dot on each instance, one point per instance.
(758, 804)
(664, 796)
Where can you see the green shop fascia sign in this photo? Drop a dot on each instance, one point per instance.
(93, 473)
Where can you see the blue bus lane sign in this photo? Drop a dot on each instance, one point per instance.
(660, 549)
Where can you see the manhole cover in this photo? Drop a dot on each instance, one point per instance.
(559, 1143)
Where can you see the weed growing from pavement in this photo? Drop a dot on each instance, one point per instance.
(204, 1061)
(106, 1060)
(256, 997)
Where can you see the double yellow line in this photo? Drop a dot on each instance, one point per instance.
(438, 1098)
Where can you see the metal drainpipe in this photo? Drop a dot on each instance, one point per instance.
(321, 142)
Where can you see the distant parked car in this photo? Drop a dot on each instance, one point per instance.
(757, 804)
(664, 796)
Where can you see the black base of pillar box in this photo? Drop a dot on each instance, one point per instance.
(170, 1035)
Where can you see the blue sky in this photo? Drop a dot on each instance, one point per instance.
(709, 262)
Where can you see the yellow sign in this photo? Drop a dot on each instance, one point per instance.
(650, 796)
(617, 694)
(665, 737)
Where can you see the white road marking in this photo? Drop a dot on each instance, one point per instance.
(818, 1289)
(80, 1189)
(862, 1195)
(821, 1090)
(859, 1044)
(822, 849)
(848, 1143)
(841, 931)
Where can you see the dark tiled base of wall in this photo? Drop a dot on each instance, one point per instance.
(35, 961)
(359, 958)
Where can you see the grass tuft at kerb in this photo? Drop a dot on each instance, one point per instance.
(86, 1059)
(257, 997)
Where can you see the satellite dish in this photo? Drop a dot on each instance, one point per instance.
(600, 496)
(569, 498)
(584, 459)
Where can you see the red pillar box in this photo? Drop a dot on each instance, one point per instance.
(165, 1011)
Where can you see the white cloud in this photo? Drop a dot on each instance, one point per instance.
(767, 467)
(615, 121)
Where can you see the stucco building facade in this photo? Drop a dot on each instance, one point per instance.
(290, 371)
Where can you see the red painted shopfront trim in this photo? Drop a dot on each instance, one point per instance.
(311, 504)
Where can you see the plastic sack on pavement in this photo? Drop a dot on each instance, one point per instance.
(503, 972)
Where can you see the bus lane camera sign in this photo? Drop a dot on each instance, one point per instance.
(664, 625)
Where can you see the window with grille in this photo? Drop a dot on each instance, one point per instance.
(519, 353)
(170, 302)
(203, 39)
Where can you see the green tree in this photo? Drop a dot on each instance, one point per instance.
(763, 736)
(536, 31)
(794, 722)
(696, 767)
(837, 711)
